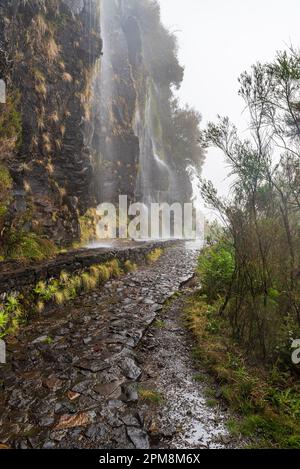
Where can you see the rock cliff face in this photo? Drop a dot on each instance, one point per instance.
(47, 53)
(78, 128)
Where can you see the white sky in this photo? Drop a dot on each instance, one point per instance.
(218, 40)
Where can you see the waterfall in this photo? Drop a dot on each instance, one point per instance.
(198, 205)
(103, 92)
(195, 182)
(105, 79)
(156, 179)
(106, 73)
(128, 138)
(128, 125)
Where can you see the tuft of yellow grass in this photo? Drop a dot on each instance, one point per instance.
(154, 255)
(50, 168)
(89, 281)
(47, 147)
(129, 266)
(41, 89)
(41, 25)
(59, 297)
(54, 117)
(151, 396)
(62, 129)
(52, 49)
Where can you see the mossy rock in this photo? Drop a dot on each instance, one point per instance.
(11, 119)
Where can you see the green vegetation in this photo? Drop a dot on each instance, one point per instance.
(28, 246)
(10, 137)
(67, 287)
(5, 188)
(247, 313)
(268, 401)
(88, 226)
(211, 402)
(200, 378)
(159, 324)
(11, 121)
(253, 263)
(15, 242)
(48, 341)
(216, 267)
(184, 135)
(11, 315)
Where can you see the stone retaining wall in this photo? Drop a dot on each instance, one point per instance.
(15, 277)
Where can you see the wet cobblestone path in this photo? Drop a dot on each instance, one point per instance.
(73, 376)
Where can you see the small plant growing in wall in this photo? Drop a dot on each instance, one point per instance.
(155, 255)
(11, 315)
(129, 266)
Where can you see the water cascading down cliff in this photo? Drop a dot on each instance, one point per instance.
(134, 105)
(90, 115)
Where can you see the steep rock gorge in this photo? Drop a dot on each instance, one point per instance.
(77, 128)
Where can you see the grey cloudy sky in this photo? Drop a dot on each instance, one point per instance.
(218, 40)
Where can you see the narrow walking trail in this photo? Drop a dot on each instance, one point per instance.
(182, 414)
(74, 376)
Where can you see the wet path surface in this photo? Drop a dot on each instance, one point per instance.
(73, 378)
(186, 416)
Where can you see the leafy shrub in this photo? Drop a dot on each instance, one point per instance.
(216, 267)
(11, 315)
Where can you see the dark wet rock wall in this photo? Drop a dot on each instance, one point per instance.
(48, 50)
(90, 91)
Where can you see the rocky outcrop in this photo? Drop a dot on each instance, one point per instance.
(48, 50)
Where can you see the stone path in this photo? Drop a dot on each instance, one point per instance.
(189, 413)
(71, 378)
